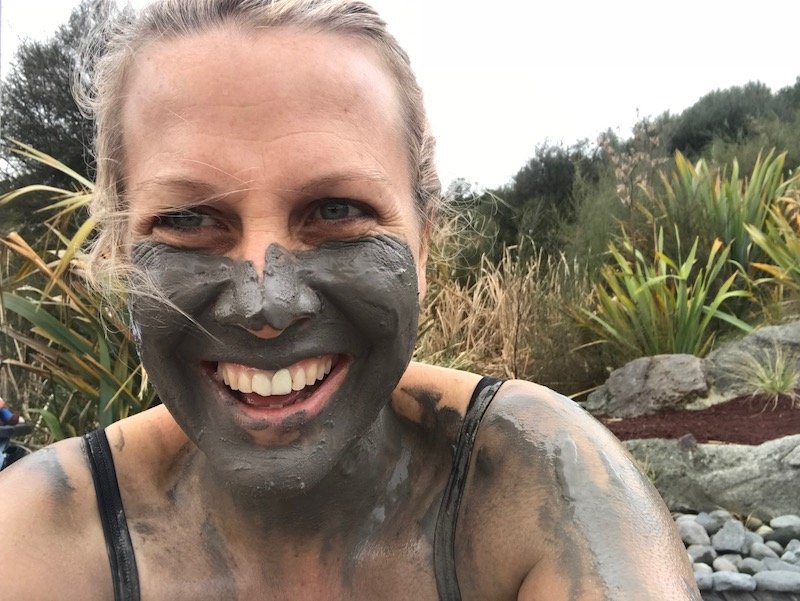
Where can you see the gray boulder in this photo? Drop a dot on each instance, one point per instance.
(724, 365)
(649, 385)
(746, 479)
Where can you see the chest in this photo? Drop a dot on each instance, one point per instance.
(203, 566)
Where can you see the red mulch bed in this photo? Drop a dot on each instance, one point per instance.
(746, 420)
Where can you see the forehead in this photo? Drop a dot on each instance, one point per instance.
(239, 99)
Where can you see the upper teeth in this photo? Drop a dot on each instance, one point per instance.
(267, 383)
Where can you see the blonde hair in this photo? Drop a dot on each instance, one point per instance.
(165, 19)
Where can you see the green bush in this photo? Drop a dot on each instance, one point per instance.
(701, 201)
(77, 347)
(650, 306)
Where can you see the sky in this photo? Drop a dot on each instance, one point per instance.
(504, 76)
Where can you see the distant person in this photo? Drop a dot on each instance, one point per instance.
(265, 190)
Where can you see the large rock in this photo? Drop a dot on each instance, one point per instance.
(650, 385)
(761, 480)
(726, 366)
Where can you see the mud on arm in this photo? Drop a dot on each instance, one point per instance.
(52, 542)
(555, 509)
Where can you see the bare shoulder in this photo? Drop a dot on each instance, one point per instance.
(51, 537)
(434, 397)
(556, 500)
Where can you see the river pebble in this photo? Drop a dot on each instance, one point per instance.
(760, 551)
(732, 581)
(693, 533)
(728, 555)
(778, 581)
(730, 538)
(702, 553)
(784, 521)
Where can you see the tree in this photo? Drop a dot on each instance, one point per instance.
(727, 114)
(39, 109)
(539, 200)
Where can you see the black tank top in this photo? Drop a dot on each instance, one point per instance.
(118, 539)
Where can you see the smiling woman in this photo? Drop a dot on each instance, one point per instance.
(265, 194)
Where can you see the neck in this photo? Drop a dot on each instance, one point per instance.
(362, 489)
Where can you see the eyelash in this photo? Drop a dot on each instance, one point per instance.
(173, 219)
(178, 221)
(351, 205)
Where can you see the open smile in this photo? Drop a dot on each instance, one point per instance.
(265, 397)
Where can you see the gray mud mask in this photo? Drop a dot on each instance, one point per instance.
(355, 299)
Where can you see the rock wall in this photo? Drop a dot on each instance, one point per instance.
(763, 480)
(652, 384)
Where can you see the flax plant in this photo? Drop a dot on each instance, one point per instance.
(654, 306)
(780, 241)
(77, 347)
(705, 202)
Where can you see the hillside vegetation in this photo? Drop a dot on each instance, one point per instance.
(672, 240)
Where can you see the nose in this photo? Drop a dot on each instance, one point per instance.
(268, 305)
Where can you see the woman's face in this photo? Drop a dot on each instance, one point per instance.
(271, 203)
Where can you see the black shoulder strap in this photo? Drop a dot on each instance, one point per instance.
(444, 561)
(112, 515)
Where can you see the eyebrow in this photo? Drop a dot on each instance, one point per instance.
(202, 192)
(338, 177)
(198, 190)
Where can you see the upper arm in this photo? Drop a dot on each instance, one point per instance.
(554, 499)
(49, 529)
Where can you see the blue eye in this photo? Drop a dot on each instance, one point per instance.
(184, 220)
(338, 208)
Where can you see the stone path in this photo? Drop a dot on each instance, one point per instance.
(754, 596)
(729, 556)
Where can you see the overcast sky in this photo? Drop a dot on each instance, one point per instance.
(501, 77)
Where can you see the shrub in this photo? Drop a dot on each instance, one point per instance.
(78, 348)
(770, 374)
(510, 320)
(653, 306)
(701, 201)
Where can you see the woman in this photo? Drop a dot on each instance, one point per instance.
(265, 189)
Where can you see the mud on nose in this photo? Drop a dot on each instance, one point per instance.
(277, 300)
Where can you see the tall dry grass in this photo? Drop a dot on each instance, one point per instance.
(511, 319)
